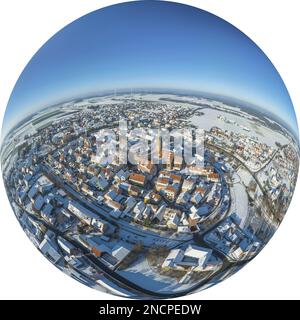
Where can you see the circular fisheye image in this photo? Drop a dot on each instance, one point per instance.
(149, 150)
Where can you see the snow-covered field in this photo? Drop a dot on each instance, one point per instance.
(263, 134)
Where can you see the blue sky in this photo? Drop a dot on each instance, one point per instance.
(148, 44)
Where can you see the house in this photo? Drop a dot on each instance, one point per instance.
(170, 192)
(129, 204)
(45, 187)
(99, 183)
(86, 189)
(200, 170)
(33, 192)
(121, 175)
(201, 190)
(159, 214)
(98, 248)
(124, 186)
(193, 218)
(187, 185)
(161, 183)
(21, 196)
(196, 198)
(38, 203)
(111, 195)
(137, 178)
(184, 219)
(147, 212)
(87, 216)
(66, 246)
(134, 191)
(183, 198)
(138, 210)
(27, 179)
(201, 212)
(197, 257)
(173, 221)
(155, 197)
(49, 248)
(46, 213)
(121, 250)
(174, 256)
(176, 178)
(147, 167)
(214, 177)
(113, 204)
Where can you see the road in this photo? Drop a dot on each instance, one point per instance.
(103, 212)
(114, 276)
(222, 150)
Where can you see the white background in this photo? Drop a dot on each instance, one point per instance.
(26, 25)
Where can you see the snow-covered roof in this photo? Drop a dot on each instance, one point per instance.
(121, 250)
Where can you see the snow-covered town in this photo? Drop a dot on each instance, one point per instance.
(151, 229)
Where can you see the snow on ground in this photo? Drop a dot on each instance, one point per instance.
(239, 198)
(142, 274)
(245, 176)
(264, 134)
(111, 287)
